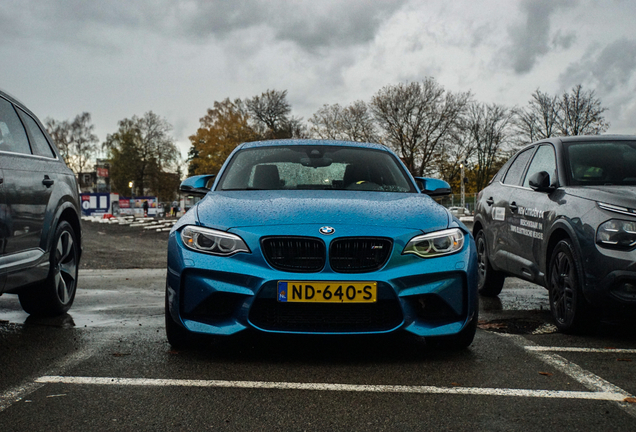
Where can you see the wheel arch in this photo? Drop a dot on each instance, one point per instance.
(477, 226)
(560, 231)
(67, 212)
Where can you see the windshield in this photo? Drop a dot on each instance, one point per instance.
(314, 167)
(602, 163)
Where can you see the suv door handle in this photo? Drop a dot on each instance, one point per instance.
(490, 201)
(514, 207)
(47, 181)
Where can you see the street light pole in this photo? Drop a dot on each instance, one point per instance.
(461, 165)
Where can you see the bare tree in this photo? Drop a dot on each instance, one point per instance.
(60, 132)
(416, 118)
(581, 113)
(488, 128)
(75, 140)
(451, 154)
(353, 123)
(576, 113)
(271, 112)
(83, 141)
(539, 119)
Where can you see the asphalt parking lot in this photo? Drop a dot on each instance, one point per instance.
(107, 366)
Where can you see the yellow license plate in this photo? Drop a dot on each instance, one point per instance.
(327, 292)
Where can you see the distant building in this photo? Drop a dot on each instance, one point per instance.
(97, 181)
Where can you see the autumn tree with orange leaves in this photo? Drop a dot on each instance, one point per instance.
(223, 128)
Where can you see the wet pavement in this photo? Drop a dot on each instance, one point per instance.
(107, 366)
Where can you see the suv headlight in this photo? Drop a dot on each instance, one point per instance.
(617, 234)
(212, 241)
(436, 244)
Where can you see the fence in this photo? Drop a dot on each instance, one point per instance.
(455, 200)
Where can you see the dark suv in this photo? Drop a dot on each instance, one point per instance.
(562, 213)
(40, 231)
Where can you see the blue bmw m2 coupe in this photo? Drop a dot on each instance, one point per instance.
(319, 237)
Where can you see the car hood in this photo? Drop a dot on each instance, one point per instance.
(235, 209)
(624, 196)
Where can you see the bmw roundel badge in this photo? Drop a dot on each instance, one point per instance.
(327, 230)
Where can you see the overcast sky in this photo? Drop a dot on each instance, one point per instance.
(116, 59)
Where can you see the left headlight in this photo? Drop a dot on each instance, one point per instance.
(211, 241)
(436, 244)
(617, 233)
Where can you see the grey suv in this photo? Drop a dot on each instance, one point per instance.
(40, 231)
(562, 213)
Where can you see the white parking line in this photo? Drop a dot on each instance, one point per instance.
(475, 391)
(583, 350)
(17, 393)
(584, 377)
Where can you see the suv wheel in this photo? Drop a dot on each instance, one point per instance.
(490, 281)
(56, 294)
(571, 312)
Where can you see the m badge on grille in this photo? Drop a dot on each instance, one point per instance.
(327, 230)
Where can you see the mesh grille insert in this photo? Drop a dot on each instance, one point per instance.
(294, 254)
(359, 254)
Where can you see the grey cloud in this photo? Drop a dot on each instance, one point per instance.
(531, 39)
(607, 70)
(309, 24)
(565, 41)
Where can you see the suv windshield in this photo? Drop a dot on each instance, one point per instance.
(602, 163)
(314, 167)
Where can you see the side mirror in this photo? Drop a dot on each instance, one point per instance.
(433, 186)
(540, 182)
(197, 185)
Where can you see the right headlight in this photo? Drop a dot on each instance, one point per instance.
(212, 241)
(436, 244)
(617, 234)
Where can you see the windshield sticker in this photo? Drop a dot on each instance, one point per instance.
(498, 213)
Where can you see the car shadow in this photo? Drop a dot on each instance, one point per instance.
(319, 349)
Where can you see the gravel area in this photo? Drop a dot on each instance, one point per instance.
(114, 246)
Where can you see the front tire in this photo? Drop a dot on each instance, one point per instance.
(178, 337)
(570, 310)
(55, 295)
(490, 282)
(460, 341)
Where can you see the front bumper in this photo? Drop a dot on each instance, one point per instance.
(610, 277)
(225, 295)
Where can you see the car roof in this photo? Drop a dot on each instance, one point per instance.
(16, 101)
(310, 142)
(584, 138)
(598, 138)
(557, 141)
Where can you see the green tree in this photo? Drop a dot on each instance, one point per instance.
(143, 151)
